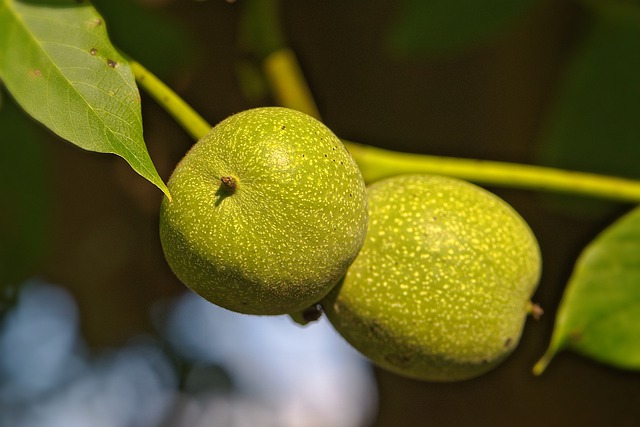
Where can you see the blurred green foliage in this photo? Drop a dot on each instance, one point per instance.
(437, 27)
(594, 123)
(24, 205)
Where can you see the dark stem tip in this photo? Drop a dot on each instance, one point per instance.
(312, 314)
(229, 182)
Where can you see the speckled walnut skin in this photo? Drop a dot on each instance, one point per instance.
(441, 287)
(269, 209)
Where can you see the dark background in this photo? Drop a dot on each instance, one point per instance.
(490, 99)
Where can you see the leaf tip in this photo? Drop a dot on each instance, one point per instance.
(544, 361)
(167, 193)
(163, 187)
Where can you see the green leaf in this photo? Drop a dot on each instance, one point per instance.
(58, 63)
(593, 124)
(600, 310)
(24, 204)
(427, 27)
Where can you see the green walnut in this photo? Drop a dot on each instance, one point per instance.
(442, 286)
(268, 211)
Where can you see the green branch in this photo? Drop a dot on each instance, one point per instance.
(287, 82)
(376, 163)
(182, 112)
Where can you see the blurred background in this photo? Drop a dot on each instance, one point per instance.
(96, 330)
